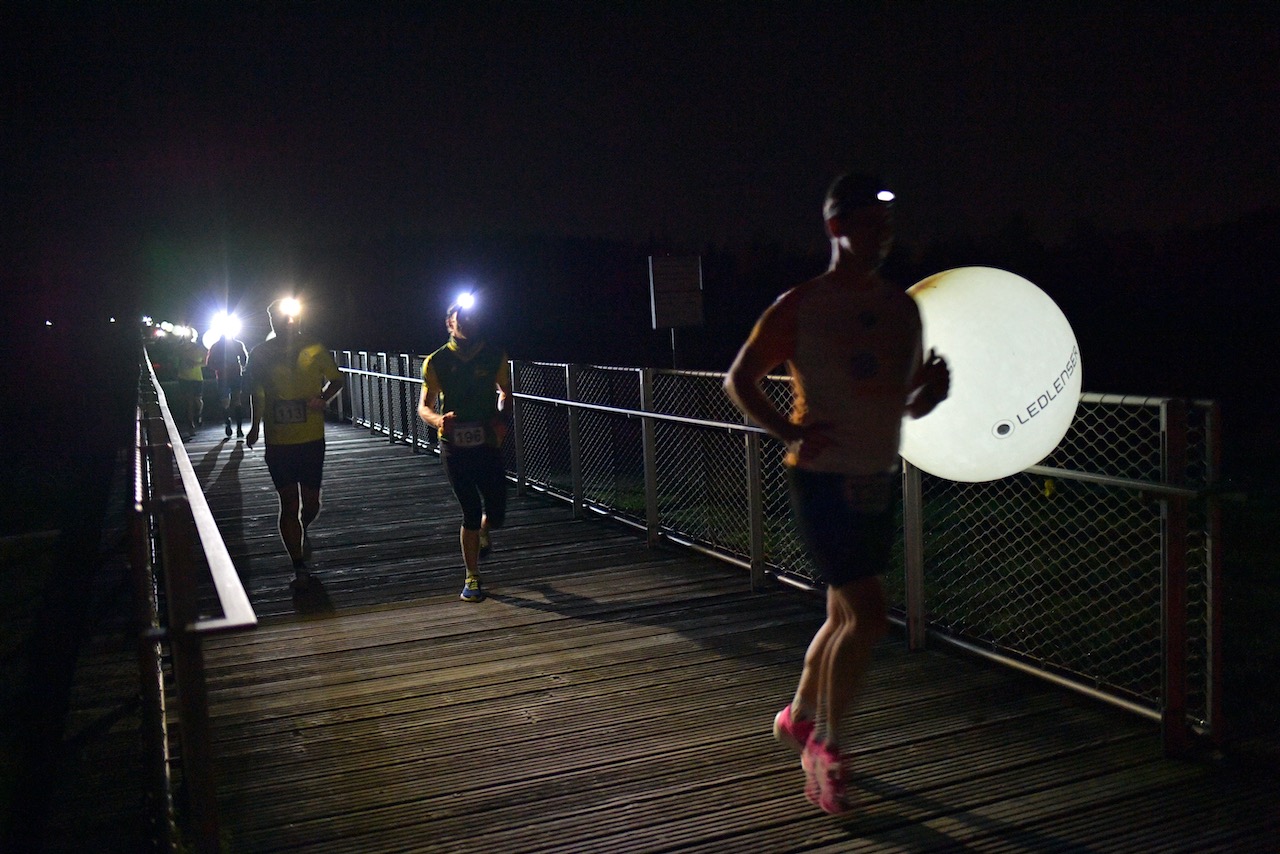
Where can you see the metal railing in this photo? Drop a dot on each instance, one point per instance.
(174, 543)
(1098, 569)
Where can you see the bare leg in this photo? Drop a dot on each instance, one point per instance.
(857, 614)
(290, 523)
(470, 550)
(808, 692)
(310, 505)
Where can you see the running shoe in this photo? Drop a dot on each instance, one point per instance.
(791, 732)
(471, 590)
(485, 545)
(824, 778)
(228, 428)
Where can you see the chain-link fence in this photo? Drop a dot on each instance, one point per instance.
(1095, 568)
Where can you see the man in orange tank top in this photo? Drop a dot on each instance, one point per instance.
(852, 343)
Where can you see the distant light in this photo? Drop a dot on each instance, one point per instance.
(466, 300)
(48, 323)
(885, 196)
(166, 326)
(113, 320)
(223, 325)
(146, 319)
(290, 307)
(210, 338)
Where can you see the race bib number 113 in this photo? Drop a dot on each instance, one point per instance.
(290, 411)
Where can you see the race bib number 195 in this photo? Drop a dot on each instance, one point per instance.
(290, 411)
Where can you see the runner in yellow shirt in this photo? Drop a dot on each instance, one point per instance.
(292, 377)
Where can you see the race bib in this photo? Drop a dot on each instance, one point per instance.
(868, 493)
(290, 411)
(468, 434)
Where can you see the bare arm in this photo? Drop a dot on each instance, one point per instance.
(771, 343)
(427, 402)
(930, 385)
(500, 426)
(257, 404)
(329, 392)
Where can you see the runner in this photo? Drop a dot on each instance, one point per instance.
(852, 343)
(227, 358)
(466, 389)
(292, 377)
(191, 381)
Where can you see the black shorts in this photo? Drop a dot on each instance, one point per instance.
(293, 465)
(479, 480)
(847, 521)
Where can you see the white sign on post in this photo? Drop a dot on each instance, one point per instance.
(675, 291)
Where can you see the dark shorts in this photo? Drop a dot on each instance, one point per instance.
(479, 480)
(292, 465)
(847, 521)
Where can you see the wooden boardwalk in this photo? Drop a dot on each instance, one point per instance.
(611, 698)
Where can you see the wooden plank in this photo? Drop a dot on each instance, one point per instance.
(612, 698)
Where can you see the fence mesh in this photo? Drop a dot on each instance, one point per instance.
(1061, 573)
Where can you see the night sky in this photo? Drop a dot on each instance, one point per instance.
(164, 157)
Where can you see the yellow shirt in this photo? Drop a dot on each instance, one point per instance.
(190, 361)
(285, 373)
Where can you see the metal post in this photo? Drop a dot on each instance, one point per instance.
(517, 427)
(158, 791)
(360, 409)
(755, 510)
(913, 555)
(177, 537)
(416, 423)
(575, 440)
(652, 515)
(387, 397)
(404, 410)
(1173, 600)
(1213, 581)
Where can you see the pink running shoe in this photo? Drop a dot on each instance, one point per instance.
(794, 734)
(824, 778)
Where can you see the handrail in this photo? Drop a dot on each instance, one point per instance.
(237, 612)
(1154, 488)
(171, 514)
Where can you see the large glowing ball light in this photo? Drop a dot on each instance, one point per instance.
(1015, 375)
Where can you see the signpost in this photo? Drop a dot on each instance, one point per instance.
(675, 294)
